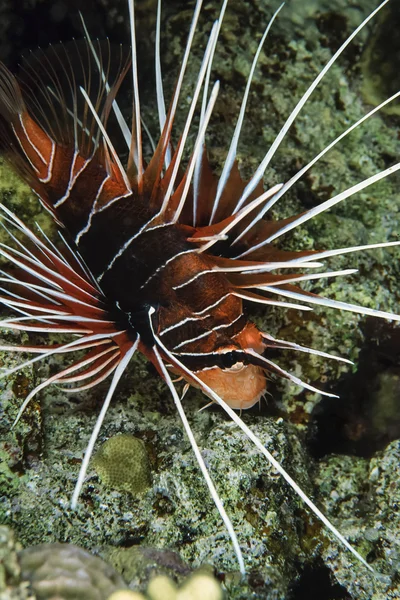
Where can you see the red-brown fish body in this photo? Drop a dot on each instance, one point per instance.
(141, 259)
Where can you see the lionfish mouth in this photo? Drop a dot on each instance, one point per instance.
(156, 257)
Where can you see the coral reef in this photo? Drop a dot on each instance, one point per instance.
(176, 511)
(282, 542)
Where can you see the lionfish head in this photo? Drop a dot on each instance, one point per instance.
(238, 382)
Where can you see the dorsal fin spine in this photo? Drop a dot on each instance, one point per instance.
(36, 144)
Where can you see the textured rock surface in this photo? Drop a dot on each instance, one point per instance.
(364, 495)
(282, 543)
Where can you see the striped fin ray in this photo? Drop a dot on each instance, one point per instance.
(53, 294)
(120, 368)
(50, 81)
(193, 378)
(164, 186)
(214, 494)
(54, 138)
(23, 142)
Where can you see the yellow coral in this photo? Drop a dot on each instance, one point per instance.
(126, 595)
(198, 587)
(162, 588)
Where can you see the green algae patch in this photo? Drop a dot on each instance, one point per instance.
(122, 463)
(8, 479)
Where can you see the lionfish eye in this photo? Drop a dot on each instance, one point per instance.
(235, 368)
(230, 361)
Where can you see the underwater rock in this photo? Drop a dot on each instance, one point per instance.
(380, 61)
(122, 463)
(139, 564)
(176, 512)
(364, 495)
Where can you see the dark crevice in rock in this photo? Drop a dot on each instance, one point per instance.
(316, 582)
(366, 417)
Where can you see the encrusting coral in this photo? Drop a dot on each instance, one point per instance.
(122, 464)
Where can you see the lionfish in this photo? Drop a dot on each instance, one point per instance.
(155, 257)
